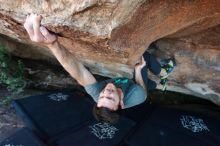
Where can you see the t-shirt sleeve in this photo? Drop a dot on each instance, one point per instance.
(136, 96)
(93, 90)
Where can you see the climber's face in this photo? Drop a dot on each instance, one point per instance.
(109, 97)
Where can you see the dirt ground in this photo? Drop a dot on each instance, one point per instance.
(9, 121)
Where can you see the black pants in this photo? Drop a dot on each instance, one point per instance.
(153, 65)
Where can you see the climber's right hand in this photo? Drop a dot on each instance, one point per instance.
(37, 32)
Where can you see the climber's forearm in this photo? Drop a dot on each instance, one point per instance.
(71, 64)
(67, 60)
(139, 79)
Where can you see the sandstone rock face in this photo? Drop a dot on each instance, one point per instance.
(109, 36)
(198, 66)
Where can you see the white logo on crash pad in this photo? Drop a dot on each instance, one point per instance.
(194, 124)
(103, 130)
(58, 97)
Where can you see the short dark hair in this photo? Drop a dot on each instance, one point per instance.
(104, 114)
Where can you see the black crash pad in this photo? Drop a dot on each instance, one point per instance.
(22, 137)
(98, 134)
(64, 118)
(54, 114)
(172, 127)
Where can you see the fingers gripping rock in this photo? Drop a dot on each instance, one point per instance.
(48, 37)
(36, 31)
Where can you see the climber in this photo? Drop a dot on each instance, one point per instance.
(110, 95)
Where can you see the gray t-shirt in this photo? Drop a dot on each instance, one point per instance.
(134, 94)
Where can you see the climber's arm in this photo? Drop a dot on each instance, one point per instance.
(72, 65)
(138, 76)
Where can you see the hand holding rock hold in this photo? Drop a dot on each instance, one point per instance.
(36, 31)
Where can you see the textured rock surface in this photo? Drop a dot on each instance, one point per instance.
(9, 122)
(198, 66)
(109, 36)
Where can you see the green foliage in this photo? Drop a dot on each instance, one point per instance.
(11, 75)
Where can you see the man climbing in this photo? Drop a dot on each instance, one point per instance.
(110, 95)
